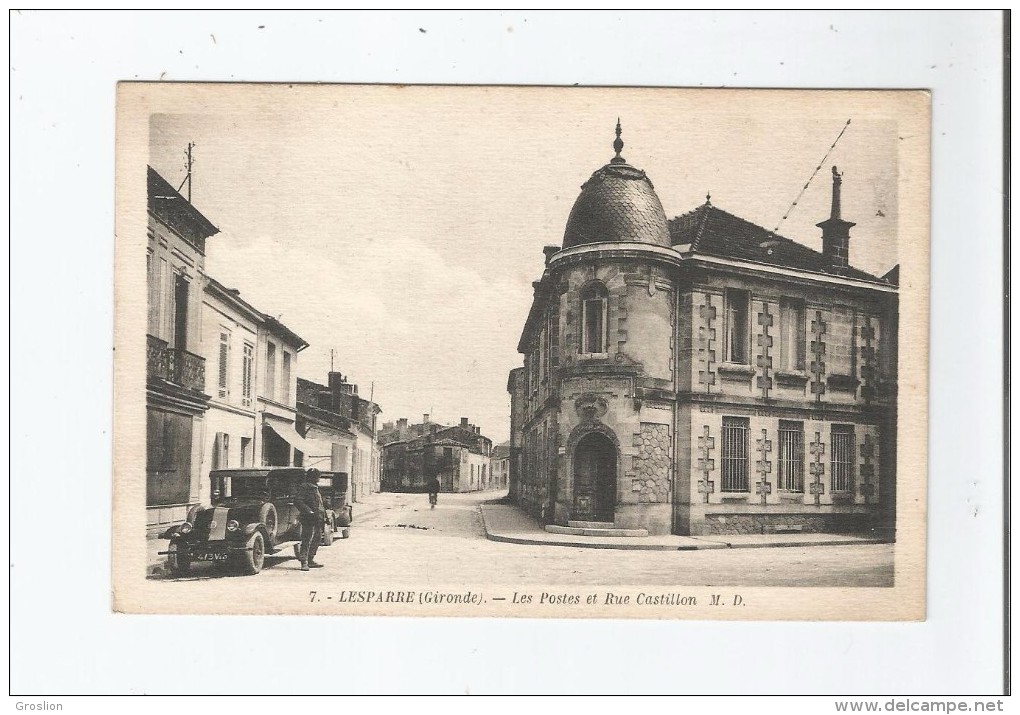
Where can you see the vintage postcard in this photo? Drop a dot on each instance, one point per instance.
(521, 351)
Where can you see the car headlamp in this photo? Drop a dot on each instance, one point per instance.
(186, 528)
(232, 525)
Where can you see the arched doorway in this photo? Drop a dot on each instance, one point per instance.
(594, 478)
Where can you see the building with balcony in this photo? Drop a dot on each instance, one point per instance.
(176, 398)
(703, 374)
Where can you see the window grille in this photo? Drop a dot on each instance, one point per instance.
(791, 456)
(735, 454)
(842, 458)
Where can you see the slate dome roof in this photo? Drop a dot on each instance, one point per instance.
(618, 203)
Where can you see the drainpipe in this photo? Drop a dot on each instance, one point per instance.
(673, 495)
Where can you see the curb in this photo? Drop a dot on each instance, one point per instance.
(584, 545)
(704, 544)
(787, 544)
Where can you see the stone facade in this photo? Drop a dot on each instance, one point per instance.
(715, 378)
(651, 470)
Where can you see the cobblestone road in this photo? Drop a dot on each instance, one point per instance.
(398, 541)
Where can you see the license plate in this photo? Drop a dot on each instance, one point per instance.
(211, 557)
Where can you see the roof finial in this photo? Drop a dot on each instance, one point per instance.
(618, 146)
(708, 198)
(837, 183)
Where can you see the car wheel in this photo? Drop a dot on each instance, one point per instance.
(269, 519)
(255, 557)
(178, 563)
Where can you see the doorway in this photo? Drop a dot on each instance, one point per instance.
(595, 460)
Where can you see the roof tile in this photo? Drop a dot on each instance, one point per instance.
(711, 231)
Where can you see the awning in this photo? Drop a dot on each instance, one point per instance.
(291, 436)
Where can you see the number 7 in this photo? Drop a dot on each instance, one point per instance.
(312, 594)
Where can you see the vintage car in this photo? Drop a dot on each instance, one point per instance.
(339, 513)
(252, 514)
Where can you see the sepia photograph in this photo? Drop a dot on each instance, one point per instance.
(546, 353)
(450, 351)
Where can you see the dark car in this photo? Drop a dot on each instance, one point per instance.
(252, 514)
(339, 514)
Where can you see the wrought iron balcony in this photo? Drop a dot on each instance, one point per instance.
(173, 365)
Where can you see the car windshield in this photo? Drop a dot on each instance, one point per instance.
(247, 486)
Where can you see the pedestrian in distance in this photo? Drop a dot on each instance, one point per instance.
(312, 510)
(433, 487)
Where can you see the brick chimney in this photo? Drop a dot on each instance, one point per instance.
(463, 421)
(836, 231)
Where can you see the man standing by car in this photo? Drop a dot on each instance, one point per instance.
(309, 502)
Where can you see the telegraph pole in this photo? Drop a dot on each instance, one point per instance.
(187, 166)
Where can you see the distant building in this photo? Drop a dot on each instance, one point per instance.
(175, 396)
(500, 467)
(344, 424)
(703, 374)
(459, 456)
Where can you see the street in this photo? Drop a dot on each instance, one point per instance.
(400, 542)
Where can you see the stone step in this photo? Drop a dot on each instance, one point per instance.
(581, 531)
(592, 524)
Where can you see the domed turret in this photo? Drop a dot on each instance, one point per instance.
(618, 203)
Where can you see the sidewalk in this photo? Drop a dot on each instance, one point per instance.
(507, 523)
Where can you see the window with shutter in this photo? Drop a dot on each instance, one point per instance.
(594, 308)
(270, 371)
(840, 348)
(224, 389)
(792, 349)
(285, 379)
(247, 364)
(737, 326)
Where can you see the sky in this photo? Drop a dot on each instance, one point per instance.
(402, 226)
